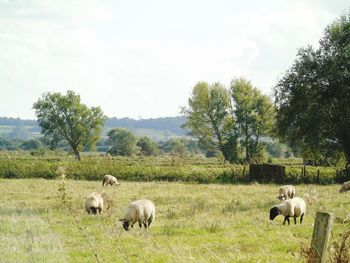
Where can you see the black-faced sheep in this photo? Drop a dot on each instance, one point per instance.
(94, 203)
(109, 180)
(289, 208)
(345, 187)
(286, 192)
(141, 211)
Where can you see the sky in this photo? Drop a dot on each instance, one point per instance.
(141, 58)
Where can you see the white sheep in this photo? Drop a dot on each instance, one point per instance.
(286, 192)
(141, 211)
(109, 179)
(94, 203)
(294, 207)
(345, 187)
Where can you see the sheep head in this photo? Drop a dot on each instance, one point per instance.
(125, 223)
(274, 212)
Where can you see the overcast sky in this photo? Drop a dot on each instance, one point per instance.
(140, 59)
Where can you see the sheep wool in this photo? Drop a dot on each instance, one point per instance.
(286, 192)
(295, 207)
(141, 211)
(109, 180)
(345, 187)
(94, 203)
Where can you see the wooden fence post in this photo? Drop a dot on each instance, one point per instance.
(321, 234)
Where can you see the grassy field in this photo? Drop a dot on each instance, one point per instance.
(45, 221)
(195, 169)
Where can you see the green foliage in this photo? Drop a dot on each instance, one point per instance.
(313, 97)
(254, 116)
(124, 142)
(32, 144)
(199, 169)
(65, 118)
(176, 146)
(147, 146)
(210, 120)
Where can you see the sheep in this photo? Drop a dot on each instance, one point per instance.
(294, 207)
(141, 211)
(345, 187)
(286, 192)
(94, 203)
(109, 179)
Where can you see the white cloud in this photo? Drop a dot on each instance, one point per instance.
(143, 59)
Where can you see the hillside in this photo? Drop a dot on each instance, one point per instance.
(155, 128)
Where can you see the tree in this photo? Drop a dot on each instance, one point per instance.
(175, 146)
(210, 120)
(32, 144)
(65, 118)
(254, 114)
(313, 97)
(123, 142)
(147, 146)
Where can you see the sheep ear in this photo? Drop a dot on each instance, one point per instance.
(122, 220)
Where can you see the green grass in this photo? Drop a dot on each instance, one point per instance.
(163, 168)
(194, 222)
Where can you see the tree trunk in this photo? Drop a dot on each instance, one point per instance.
(77, 154)
(347, 155)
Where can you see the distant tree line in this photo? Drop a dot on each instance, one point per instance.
(17, 122)
(172, 124)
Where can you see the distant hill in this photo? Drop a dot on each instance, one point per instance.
(155, 128)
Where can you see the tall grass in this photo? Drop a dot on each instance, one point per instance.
(198, 169)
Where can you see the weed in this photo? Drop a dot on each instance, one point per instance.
(235, 205)
(342, 249)
(309, 254)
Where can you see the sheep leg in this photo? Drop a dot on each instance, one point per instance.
(295, 220)
(99, 210)
(144, 224)
(149, 221)
(286, 219)
(301, 217)
(140, 224)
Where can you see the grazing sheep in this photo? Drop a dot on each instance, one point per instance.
(141, 211)
(109, 179)
(286, 192)
(94, 203)
(345, 187)
(289, 208)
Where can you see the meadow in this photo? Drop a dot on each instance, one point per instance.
(45, 221)
(169, 168)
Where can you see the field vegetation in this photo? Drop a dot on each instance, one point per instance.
(45, 220)
(196, 169)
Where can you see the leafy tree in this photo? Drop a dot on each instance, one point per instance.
(276, 149)
(32, 144)
(313, 97)
(210, 120)
(123, 142)
(177, 146)
(147, 146)
(254, 115)
(65, 118)
(4, 144)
